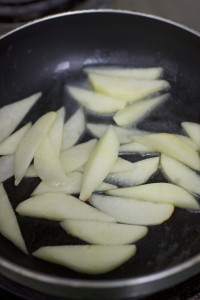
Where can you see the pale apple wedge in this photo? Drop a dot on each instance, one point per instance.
(71, 185)
(173, 146)
(30, 143)
(122, 165)
(125, 135)
(188, 140)
(129, 89)
(6, 167)
(31, 172)
(75, 157)
(100, 163)
(96, 102)
(131, 211)
(12, 114)
(73, 129)
(137, 73)
(8, 222)
(180, 174)
(136, 147)
(134, 113)
(58, 207)
(56, 131)
(140, 173)
(158, 192)
(10, 144)
(104, 233)
(193, 130)
(47, 163)
(89, 259)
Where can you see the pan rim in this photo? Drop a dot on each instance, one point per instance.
(108, 283)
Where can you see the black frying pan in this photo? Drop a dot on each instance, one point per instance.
(46, 55)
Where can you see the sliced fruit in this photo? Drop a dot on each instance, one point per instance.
(188, 140)
(74, 158)
(30, 143)
(193, 130)
(135, 112)
(59, 206)
(100, 162)
(71, 185)
(140, 173)
(129, 89)
(12, 114)
(137, 73)
(10, 144)
(136, 147)
(180, 174)
(122, 165)
(56, 131)
(47, 163)
(173, 146)
(125, 135)
(104, 233)
(73, 129)
(89, 259)
(8, 222)
(131, 211)
(158, 192)
(96, 102)
(6, 167)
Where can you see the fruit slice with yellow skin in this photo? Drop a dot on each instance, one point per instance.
(58, 207)
(8, 222)
(132, 211)
(100, 162)
(129, 89)
(12, 114)
(30, 143)
(180, 174)
(89, 259)
(158, 192)
(173, 146)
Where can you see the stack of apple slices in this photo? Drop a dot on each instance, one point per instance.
(96, 195)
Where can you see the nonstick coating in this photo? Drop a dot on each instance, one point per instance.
(46, 55)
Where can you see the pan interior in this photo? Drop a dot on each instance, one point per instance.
(47, 55)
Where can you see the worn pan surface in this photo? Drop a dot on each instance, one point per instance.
(46, 55)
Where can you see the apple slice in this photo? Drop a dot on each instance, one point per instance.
(89, 259)
(47, 163)
(59, 206)
(31, 172)
(137, 73)
(73, 129)
(135, 112)
(172, 146)
(30, 143)
(12, 114)
(188, 140)
(10, 144)
(125, 135)
(56, 131)
(6, 167)
(193, 130)
(74, 158)
(122, 165)
(129, 89)
(71, 185)
(158, 192)
(96, 102)
(104, 233)
(8, 222)
(180, 174)
(100, 162)
(135, 147)
(140, 173)
(131, 211)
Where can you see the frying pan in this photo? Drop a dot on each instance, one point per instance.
(47, 54)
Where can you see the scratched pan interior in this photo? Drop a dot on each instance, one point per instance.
(44, 57)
